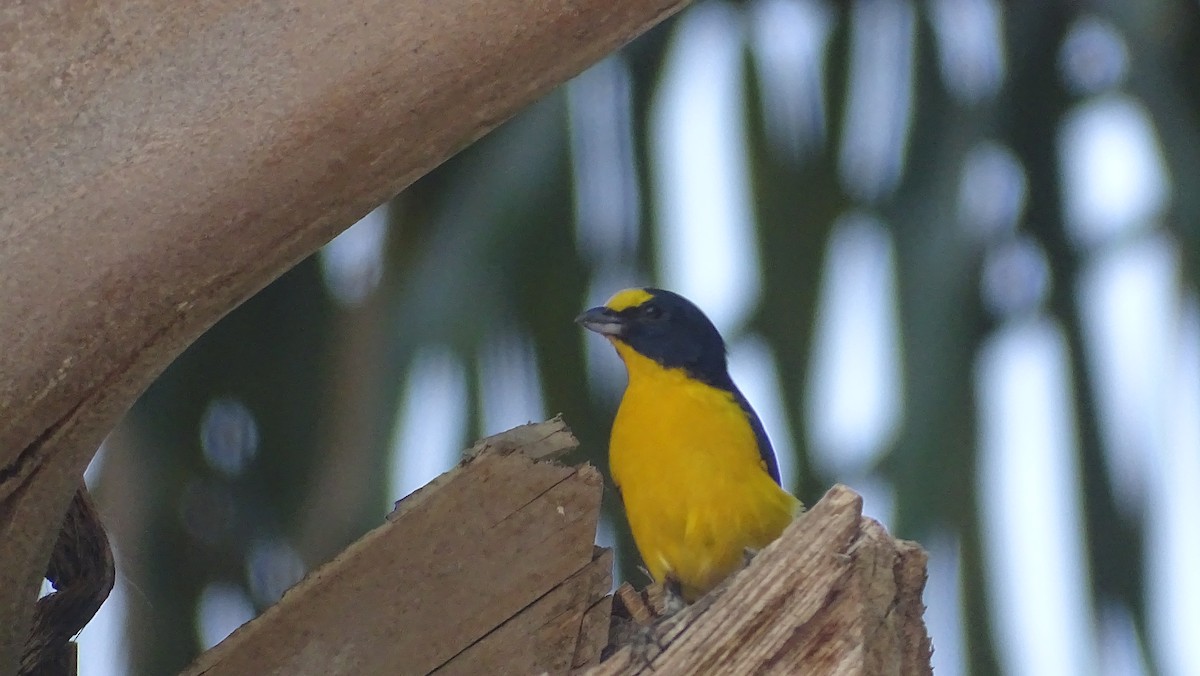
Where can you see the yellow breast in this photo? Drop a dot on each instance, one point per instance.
(691, 476)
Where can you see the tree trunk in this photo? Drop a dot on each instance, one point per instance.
(161, 161)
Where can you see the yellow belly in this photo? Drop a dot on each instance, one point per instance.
(695, 490)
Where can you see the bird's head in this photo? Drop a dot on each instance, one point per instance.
(664, 327)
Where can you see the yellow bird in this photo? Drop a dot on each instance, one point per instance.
(694, 466)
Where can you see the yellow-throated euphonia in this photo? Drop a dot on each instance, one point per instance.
(691, 459)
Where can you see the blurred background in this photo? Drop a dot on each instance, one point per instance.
(951, 246)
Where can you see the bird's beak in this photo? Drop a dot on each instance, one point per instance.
(602, 320)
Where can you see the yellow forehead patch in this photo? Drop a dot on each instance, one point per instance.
(628, 298)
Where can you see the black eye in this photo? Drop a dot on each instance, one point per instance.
(652, 312)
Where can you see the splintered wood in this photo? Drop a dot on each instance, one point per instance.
(488, 569)
(834, 595)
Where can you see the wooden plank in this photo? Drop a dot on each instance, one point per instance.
(454, 562)
(540, 441)
(834, 595)
(544, 637)
(593, 634)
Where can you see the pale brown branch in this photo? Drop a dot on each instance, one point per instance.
(160, 161)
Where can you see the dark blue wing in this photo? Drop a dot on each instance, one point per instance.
(765, 450)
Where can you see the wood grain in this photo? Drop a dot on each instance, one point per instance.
(490, 567)
(834, 595)
(550, 634)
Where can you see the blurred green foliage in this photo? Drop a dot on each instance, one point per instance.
(488, 239)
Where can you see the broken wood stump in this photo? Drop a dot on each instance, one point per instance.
(834, 595)
(490, 568)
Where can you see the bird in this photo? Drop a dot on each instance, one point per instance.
(690, 458)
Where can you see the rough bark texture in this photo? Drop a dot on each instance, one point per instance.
(834, 595)
(160, 161)
(488, 569)
(82, 572)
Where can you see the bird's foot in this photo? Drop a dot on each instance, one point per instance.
(672, 599)
(648, 643)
